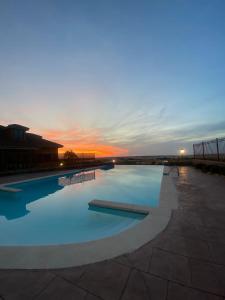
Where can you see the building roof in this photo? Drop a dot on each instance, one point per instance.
(30, 140)
(17, 126)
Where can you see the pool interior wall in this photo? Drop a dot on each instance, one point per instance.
(54, 210)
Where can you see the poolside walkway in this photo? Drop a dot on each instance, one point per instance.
(185, 262)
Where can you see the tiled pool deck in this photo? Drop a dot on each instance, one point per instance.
(185, 262)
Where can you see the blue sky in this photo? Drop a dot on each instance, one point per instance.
(116, 77)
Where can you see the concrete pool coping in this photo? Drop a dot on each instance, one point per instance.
(68, 255)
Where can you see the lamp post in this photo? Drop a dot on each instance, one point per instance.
(182, 152)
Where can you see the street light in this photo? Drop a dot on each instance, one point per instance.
(182, 151)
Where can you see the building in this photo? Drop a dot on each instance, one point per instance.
(20, 149)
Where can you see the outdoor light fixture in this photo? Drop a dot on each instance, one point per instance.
(61, 164)
(114, 161)
(182, 151)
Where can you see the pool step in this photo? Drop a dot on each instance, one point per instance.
(9, 189)
(120, 206)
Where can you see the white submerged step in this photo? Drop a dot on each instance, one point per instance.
(8, 189)
(140, 209)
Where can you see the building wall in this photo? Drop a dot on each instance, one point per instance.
(47, 155)
(13, 159)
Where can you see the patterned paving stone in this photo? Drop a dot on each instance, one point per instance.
(136, 287)
(214, 235)
(214, 220)
(144, 287)
(23, 284)
(186, 217)
(123, 259)
(70, 274)
(218, 252)
(197, 249)
(59, 289)
(186, 230)
(179, 292)
(91, 297)
(106, 279)
(157, 287)
(140, 258)
(208, 277)
(170, 266)
(185, 246)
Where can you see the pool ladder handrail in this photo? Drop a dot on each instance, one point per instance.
(176, 168)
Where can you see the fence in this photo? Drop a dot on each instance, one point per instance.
(86, 155)
(77, 178)
(210, 150)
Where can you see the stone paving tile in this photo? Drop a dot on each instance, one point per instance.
(186, 230)
(208, 277)
(106, 279)
(185, 246)
(91, 297)
(157, 287)
(143, 286)
(218, 252)
(214, 234)
(179, 292)
(139, 259)
(188, 203)
(136, 287)
(59, 289)
(15, 284)
(70, 274)
(214, 219)
(170, 266)
(123, 259)
(186, 217)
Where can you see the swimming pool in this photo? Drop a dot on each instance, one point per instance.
(54, 210)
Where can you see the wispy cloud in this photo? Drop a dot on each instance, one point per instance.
(135, 133)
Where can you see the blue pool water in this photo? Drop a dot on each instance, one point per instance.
(55, 210)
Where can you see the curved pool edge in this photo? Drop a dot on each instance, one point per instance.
(77, 254)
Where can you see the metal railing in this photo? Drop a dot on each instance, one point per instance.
(76, 178)
(86, 155)
(210, 150)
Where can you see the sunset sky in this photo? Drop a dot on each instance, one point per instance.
(114, 77)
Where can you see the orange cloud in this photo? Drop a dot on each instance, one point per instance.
(83, 141)
(99, 150)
